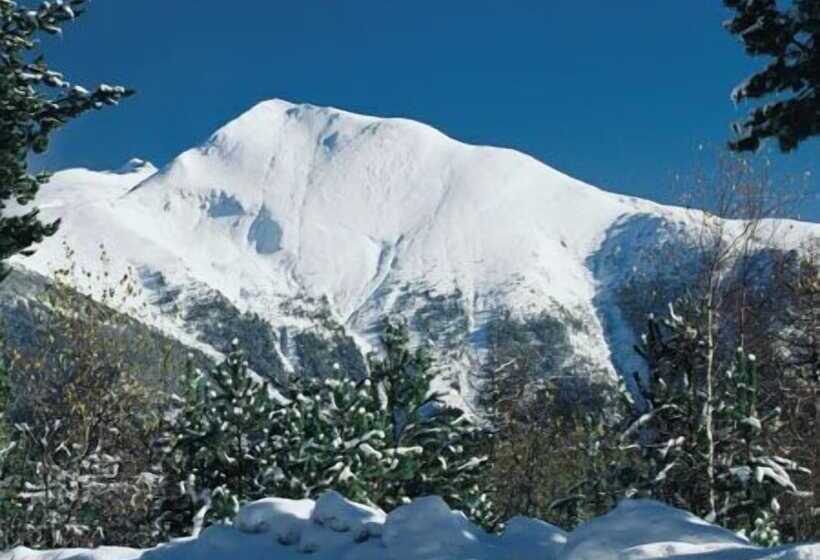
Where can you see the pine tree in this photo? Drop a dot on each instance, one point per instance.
(668, 431)
(382, 440)
(332, 436)
(666, 423)
(35, 101)
(449, 463)
(751, 479)
(791, 36)
(220, 445)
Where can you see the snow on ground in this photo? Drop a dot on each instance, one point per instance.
(333, 528)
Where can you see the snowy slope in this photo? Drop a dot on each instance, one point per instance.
(333, 528)
(296, 203)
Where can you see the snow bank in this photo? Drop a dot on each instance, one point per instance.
(641, 526)
(531, 538)
(285, 519)
(341, 515)
(333, 528)
(103, 553)
(428, 530)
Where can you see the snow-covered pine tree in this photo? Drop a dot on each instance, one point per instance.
(668, 430)
(219, 445)
(450, 462)
(36, 101)
(665, 423)
(332, 436)
(383, 440)
(750, 478)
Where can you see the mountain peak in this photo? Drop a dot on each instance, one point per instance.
(372, 216)
(136, 165)
(266, 120)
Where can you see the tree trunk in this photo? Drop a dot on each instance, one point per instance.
(815, 473)
(707, 416)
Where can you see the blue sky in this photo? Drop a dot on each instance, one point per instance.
(618, 94)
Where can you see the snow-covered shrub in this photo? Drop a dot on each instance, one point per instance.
(62, 486)
(81, 426)
(62, 492)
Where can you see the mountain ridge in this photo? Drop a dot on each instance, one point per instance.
(316, 219)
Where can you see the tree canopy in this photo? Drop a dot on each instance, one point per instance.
(35, 101)
(790, 36)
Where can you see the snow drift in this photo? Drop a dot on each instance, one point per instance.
(333, 528)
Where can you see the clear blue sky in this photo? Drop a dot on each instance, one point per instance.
(618, 94)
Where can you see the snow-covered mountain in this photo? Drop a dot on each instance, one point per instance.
(309, 224)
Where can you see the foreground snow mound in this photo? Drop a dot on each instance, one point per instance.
(335, 512)
(531, 538)
(333, 528)
(428, 530)
(103, 553)
(285, 519)
(645, 523)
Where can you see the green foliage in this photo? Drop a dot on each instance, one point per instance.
(35, 101)
(597, 474)
(333, 438)
(8, 505)
(5, 394)
(666, 423)
(381, 440)
(81, 467)
(668, 428)
(789, 35)
(66, 491)
(220, 447)
(81, 474)
(553, 451)
(547, 449)
(449, 463)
